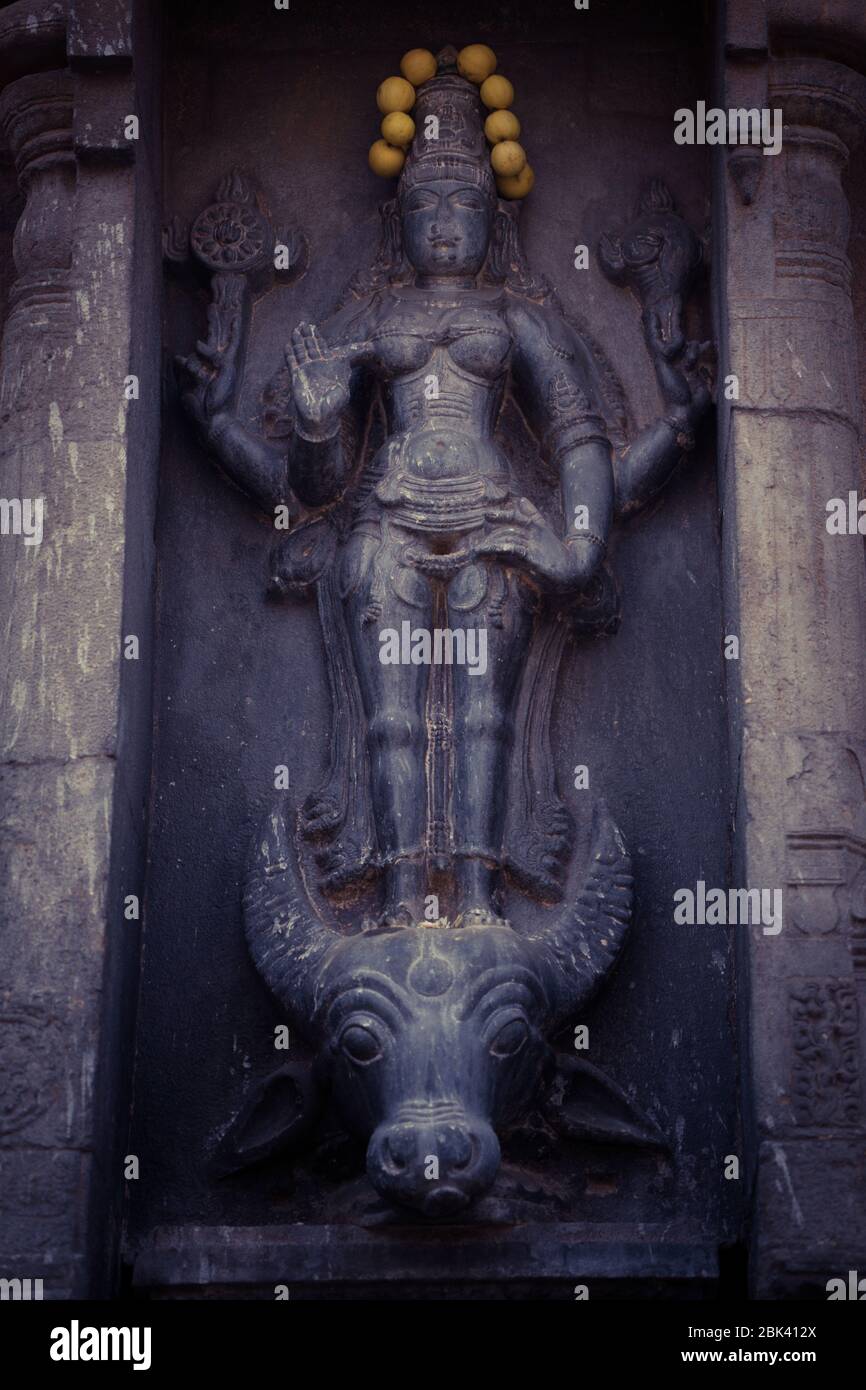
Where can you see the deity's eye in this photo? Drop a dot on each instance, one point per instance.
(469, 198)
(360, 1043)
(510, 1038)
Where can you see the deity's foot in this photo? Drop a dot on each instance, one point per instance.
(394, 918)
(483, 916)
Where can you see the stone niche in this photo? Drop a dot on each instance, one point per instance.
(138, 1022)
(241, 687)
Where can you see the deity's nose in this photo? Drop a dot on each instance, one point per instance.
(444, 227)
(436, 1167)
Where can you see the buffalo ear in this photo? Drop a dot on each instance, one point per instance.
(276, 1117)
(585, 1105)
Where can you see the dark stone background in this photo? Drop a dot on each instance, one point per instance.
(240, 681)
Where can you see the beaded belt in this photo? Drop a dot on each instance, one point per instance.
(436, 482)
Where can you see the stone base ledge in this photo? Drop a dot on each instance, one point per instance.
(248, 1261)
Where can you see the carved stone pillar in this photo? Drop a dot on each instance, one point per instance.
(36, 121)
(797, 600)
(73, 714)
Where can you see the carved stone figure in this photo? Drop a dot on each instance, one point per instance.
(412, 525)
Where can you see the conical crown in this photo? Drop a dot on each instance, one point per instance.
(452, 146)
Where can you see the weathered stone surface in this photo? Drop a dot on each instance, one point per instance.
(41, 1203)
(540, 1259)
(64, 811)
(242, 682)
(83, 311)
(75, 716)
(99, 32)
(797, 600)
(32, 37)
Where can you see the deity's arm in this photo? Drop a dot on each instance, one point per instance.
(323, 396)
(555, 390)
(318, 464)
(251, 462)
(210, 382)
(647, 463)
(328, 385)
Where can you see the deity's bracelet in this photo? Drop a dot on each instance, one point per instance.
(684, 436)
(586, 536)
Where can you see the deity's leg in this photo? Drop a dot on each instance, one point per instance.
(483, 721)
(393, 696)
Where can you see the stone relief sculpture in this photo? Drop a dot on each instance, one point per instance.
(446, 596)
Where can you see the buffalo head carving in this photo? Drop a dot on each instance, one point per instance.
(431, 1039)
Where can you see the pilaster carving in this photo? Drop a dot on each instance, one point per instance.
(825, 1080)
(36, 121)
(77, 395)
(824, 106)
(794, 443)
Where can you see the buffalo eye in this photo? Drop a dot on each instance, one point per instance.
(360, 1043)
(510, 1038)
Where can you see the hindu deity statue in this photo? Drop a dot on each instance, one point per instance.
(411, 517)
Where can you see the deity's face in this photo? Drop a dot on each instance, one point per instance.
(446, 228)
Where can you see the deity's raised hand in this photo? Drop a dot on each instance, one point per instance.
(320, 377)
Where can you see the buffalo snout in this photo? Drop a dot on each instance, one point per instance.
(436, 1165)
